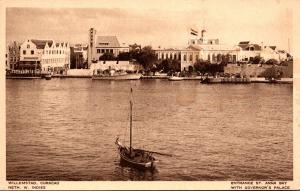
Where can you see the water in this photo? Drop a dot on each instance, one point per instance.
(64, 129)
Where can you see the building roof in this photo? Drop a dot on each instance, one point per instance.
(40, 44)
(244, 42)
(246, 46)
(273, 47)
(194, 47)
(107, 41)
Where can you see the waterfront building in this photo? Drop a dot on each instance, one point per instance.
(200, 48)
(186, 56)
(98, 45)
(13, 55)
(45, 55)
(212, 50)
(248, 51)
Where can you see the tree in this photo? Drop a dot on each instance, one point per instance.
(107, 56)
(164, 66)
(124, 56)
(191, 69)
(206, 67)
(270, 73)
(175, 65)
(257, 60)
(147, 57)
(201, 66)
(272, 62)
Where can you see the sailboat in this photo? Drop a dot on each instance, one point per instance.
(137, 158)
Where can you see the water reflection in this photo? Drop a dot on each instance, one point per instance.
(127, 172)
(64, 129)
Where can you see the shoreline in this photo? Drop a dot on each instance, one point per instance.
(252, 80)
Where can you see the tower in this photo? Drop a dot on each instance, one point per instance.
(92, 33)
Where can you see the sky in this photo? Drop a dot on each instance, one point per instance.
(155, 23)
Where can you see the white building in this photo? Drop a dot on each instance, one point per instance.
(45, 55)
(247, 52)
(199, 48)
(98, 45)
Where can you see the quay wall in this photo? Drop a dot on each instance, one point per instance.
(254, 70)
(80, 72)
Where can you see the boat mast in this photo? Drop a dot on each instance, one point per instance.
(130, 127)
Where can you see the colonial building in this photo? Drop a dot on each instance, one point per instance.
(98, 45)
(202, 48)
(186, 56)
(248, 51)
(13, 55)
(45, 55)
(212, 50)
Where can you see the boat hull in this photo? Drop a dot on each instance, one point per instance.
(138, 158)
(142, 166)
(175, 78)
(118, 77)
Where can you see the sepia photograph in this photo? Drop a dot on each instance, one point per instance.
(149, 91)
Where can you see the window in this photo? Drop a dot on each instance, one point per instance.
(111, 50)
(101, 43)
(167, 56)
(162, 56)
(184, 57)
(98, 50)
(191, 57)
(102, 50)
(28, 45)
(24, 51)
(197, 57)
(32, 51)
(171, 57)
(175, 56)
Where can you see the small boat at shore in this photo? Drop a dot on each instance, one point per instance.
(175, 78)
(48, 76)
(136, 158)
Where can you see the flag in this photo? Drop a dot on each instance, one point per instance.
(194, 32)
